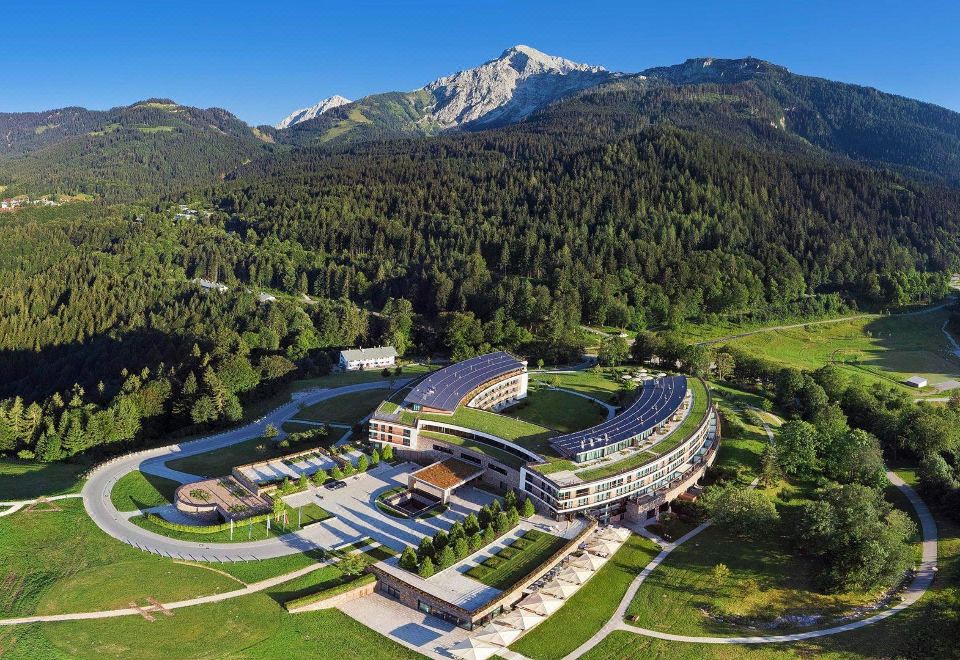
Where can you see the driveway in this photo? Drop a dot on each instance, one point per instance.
(96, 490)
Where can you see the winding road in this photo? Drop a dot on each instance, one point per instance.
(922, 580)
(96, 490)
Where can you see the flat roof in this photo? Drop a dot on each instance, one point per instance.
(446, 388)
(448, 473)
(657, 401)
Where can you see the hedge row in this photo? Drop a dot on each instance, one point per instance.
(202, 529)
(309, 599)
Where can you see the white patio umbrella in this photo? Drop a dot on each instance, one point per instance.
(541, 603)
(574, 575)
(519, 619)
(588, 561)
(497, 633)
(610, 534)
(603, 548)
(473, 649)
(559, 588)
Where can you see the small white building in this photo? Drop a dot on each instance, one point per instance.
(916, 381)
(210, 286)
(358, 359)
(266, 297)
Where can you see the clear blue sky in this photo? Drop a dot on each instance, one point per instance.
(262, 60)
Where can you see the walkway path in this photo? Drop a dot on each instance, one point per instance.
(16, 506)
(611, 410)
(96, 490)
(128, 611)
(922, 580)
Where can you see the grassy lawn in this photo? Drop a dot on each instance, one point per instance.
(255, 571)
(618, 645)
(21, 480)
(599, 383)
(60, 561)
(218, 462)
(591, 607)
(882, 349)
(496, 453)
(136, 490)
(516, 562)
(344, 409)
(557, 410)
(298, 427)
(253, 626)
(527, 435)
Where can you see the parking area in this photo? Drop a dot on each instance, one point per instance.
(356, 514)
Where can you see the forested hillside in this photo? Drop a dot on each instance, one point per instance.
(658, 227)
(637, 204)
(155, 148)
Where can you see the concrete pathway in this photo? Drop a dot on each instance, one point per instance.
(96, 490)
(921, 582)
(129, 611)
(16, 506)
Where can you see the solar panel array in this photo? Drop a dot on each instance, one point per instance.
(446, 388)
(658, 400)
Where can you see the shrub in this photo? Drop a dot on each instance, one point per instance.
(440, 540)
(461, 548)
(374, 457)
(320, 476)
(363, 463)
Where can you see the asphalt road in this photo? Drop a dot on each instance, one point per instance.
(96, 491)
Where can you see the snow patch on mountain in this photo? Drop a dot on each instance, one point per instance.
(314, 111)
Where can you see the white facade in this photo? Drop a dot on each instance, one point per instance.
(359, 359)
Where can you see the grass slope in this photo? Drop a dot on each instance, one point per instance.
(345, 409)
(57, 562)
(591, 607)
(21, 480)
(136, 490)
(887, 349)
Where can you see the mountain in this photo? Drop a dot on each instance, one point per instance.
(314, 111)
(773, 108)
(149, 148)
(502, 91)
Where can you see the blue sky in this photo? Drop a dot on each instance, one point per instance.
(262, 60)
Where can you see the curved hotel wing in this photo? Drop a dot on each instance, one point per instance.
(631, 465)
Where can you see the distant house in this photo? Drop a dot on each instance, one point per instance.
(210, 286)
(358, 359)
(916, 381)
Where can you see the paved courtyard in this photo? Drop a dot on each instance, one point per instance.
(356, 514)
(418, 631)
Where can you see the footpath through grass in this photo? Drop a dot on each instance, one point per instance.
(591, 607)
(254, 626)
(59, 561)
